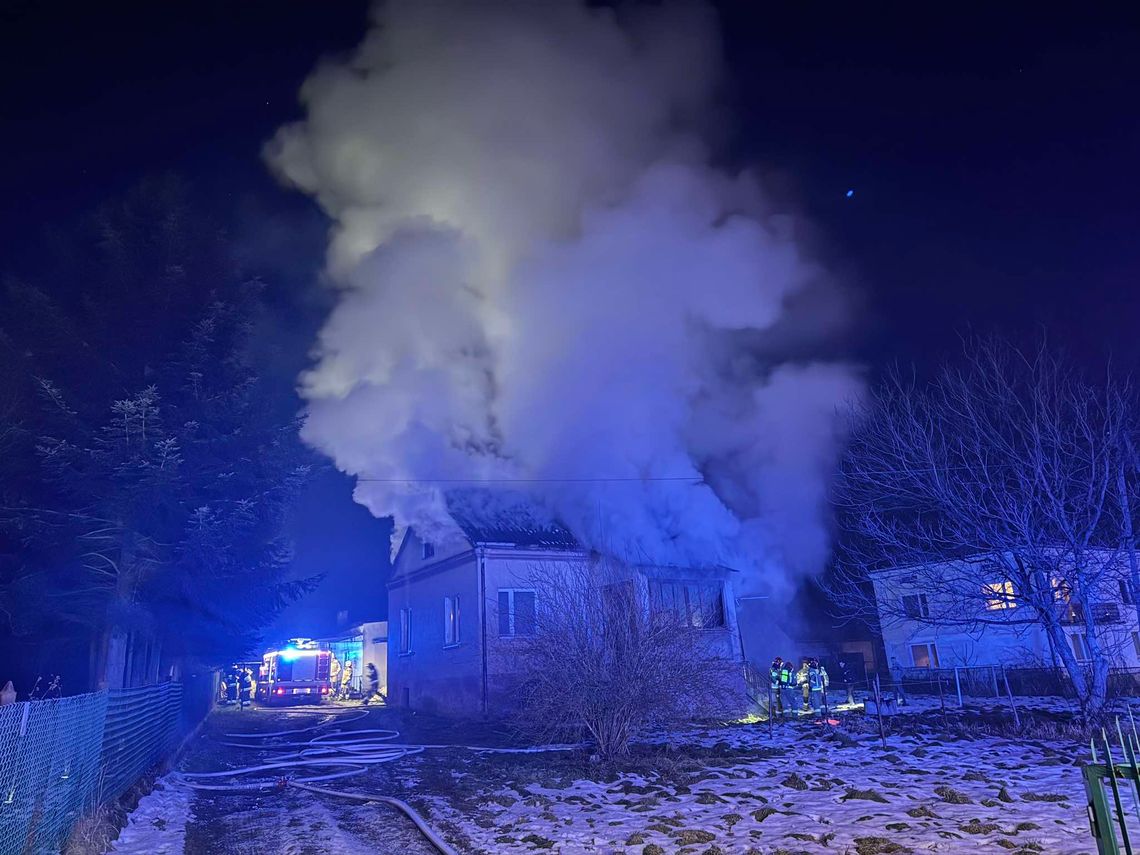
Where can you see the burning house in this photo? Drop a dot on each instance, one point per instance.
(459, 607)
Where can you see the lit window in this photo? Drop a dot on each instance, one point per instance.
(695, 604)
(915, 606)
(924, 655)
(451, 620)
(428, 550)
(516, 612)
(999, 595)
(405, 630)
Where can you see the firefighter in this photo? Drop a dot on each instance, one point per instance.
(346, 684)
(803, 680)
(787, 677)
(818, 681)
(245, 685)
(233, 685)
(334, 673)
(775, 684)
(373, 680)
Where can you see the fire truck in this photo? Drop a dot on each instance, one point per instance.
(297, 673)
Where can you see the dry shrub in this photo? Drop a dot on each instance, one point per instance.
(603, 664)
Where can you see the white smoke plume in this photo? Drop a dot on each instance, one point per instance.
(543, 278)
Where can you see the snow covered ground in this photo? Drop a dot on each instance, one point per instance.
(805, 790)
(158, 825)
(808, 787)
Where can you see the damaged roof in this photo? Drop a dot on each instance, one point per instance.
(506, 516)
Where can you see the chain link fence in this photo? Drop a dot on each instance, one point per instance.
(49, 769)
(60, 758)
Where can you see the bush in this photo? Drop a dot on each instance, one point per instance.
(604, 664)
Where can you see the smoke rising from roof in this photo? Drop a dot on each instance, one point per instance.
(542, 277)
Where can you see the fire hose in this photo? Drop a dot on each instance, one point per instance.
(346, 753)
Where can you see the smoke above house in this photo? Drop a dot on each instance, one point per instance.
(544, 283)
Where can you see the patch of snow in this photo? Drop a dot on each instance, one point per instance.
(158, 825)
(799, 791)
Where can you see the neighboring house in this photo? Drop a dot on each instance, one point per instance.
(980, 618)
(457, 608)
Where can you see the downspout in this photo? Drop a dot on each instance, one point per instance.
(483, 621)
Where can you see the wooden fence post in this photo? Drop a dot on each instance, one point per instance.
(1012, 705)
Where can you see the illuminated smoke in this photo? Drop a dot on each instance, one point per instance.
(541, 277)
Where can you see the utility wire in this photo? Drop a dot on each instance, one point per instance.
(692, 479)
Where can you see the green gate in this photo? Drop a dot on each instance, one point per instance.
(1113, 792)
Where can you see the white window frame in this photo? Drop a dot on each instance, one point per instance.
(510, 592)
(1079, 644)
(923, 606)
(680, 592)
(451, 625)
(405, 632)
(931, 654)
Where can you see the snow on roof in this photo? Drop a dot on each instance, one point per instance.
(506, 516)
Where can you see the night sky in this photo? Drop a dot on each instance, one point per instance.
(994, 159)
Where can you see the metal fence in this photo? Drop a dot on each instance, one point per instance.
(141, 729)
(60, 758)
(49, 769)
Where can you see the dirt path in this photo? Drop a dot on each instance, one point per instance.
(175, 820)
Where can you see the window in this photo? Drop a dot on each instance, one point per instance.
(915, 606)
(999, 595)
(451, 620)
(516, 612)
(1126, 592)
(1136, 643)
(405, 630)
(924, 655)
(428, 550)
(697, 604)
(1080, 646)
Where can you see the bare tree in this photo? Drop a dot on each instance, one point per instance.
(994, 493)
(604, 663)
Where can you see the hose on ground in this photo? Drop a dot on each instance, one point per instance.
(345, 752)
(409, 811)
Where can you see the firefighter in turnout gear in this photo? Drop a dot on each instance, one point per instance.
(775, 684)
(787, 679)
(245, 688)
(346, 679)
(818, 682)
(803, 680)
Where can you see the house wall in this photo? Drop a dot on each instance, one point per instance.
(449, 678)
(1017, 642)
(518, 568)
(434, 676)
(521, 568)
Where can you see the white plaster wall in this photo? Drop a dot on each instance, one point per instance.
(434, 676)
